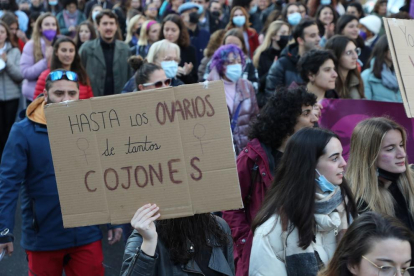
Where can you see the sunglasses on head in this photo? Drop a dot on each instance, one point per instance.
(158, 84)
(58, 75)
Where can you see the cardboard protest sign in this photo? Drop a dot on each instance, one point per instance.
(400, 35)
(171, 146)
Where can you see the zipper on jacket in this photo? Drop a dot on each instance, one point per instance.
(132, 264)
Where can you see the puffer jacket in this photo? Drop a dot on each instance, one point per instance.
(271, 246)
(136, 263)
(284, 71)
(10, 76)
(30, 69)
(246, 97)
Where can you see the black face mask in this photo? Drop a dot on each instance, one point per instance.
(283, 41)
(194, 17)
(388, 175)
(215, 13)
(138, 31)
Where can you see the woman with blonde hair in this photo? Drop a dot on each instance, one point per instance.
(277, 37)
(134, 29)
(37, 53)
(378, 171)
(150, 32)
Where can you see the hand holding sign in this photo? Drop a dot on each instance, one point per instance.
(143, 222)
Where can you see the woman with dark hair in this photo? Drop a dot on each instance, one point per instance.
(349, 84)
(291, 14)
(239, 18)
(318, 69)
(355, 9)
(11, 6)
(227, 65)
(214, 43)
(85, 32)
(307, 209)
(287, 111)
(348, 25)
(374, 244)
(10, 79)
(69, 18)
(17, 36)
(380, 81)
(174, 30)
(200, 244)
(147, 76)
(326, 18)
(66, 56)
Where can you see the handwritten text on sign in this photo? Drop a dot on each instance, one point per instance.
(108, 151)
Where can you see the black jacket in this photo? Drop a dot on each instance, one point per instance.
(284, 71)
(188, 54)
(137, 263)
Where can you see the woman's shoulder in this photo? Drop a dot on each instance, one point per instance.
(271, 227)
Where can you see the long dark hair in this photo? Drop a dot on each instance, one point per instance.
(341, 24)
(321, 25)
(184, 38)
(9, 35)
(360, 238)
(379, 53)
(76, 65)
(10, 18)
(91, 28)
(198, 229)
(281, 112)
(143, 69)
(292, 194)
(337, 44)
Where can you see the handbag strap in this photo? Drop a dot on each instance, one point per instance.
(235, 117)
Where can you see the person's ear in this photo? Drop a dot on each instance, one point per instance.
(140, 87)
(311, 77)
(301, 41)
(354, 269)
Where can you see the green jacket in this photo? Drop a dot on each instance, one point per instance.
(93, 60)
(64, 30)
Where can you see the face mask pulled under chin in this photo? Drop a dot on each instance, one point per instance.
(324, 184)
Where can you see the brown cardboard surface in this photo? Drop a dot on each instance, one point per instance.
(400, 35)
(184, 162)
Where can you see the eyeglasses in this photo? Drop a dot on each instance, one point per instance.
(58, 75)
(357, 51)
(158, 84)
(391, 270)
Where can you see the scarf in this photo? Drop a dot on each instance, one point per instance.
(389, 79)
(330, 216)
(70, 18)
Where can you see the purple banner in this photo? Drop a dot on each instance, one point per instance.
(341, 116)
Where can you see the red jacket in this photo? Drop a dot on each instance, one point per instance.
(85, 91)
(253, 41)
(240, 220)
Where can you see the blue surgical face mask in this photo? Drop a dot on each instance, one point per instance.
(253, 9)
(53, 3)
(94, 14)
(325, 2)
(294, 18)
(239, 20)
(324, 184)
(234, 72)
(170, 68)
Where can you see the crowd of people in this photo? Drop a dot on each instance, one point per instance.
(306, 210)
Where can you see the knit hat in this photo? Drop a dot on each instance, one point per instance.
(188, 6)
(372, 23)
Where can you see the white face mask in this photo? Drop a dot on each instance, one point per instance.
(94, 14)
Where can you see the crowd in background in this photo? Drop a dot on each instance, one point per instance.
(278, 61)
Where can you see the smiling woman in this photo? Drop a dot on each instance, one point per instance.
(65, 55)
(378, 169)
